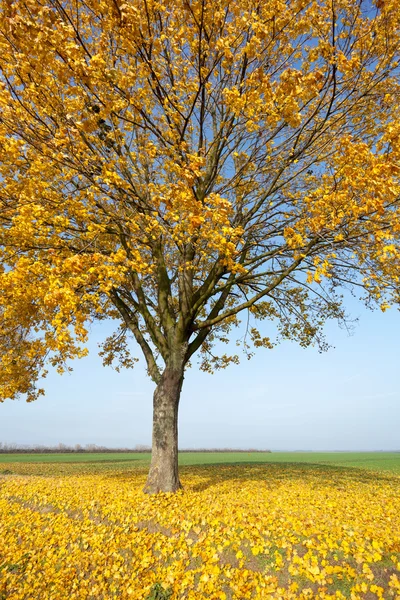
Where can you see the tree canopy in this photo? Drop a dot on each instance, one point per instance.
(172, 164)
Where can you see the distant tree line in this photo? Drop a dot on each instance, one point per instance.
(6, 448)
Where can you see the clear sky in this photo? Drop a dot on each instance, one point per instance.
(288, 398)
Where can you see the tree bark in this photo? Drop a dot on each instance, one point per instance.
(163, 475)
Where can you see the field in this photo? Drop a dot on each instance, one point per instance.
(379, 461)
(246, 526)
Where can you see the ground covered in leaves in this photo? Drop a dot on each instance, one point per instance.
(235, 532)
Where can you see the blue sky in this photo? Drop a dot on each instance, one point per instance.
(288, 398)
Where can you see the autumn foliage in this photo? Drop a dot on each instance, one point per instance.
(238, 532)
(172, 164)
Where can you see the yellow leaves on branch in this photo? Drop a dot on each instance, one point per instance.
(203, 147)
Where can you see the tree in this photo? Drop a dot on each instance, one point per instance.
(172, 164)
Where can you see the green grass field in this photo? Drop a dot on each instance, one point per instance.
(379, 461)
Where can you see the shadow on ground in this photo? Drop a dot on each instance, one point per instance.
(197, 478)
(314, 474)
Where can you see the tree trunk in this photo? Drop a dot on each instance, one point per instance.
(163, 475)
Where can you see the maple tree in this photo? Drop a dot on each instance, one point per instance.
(170, 164)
